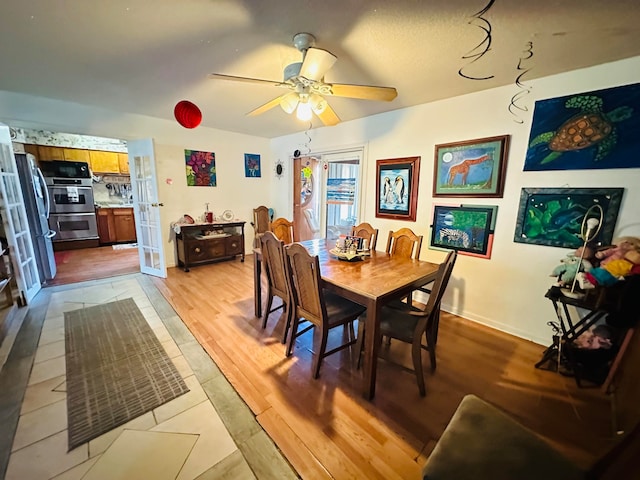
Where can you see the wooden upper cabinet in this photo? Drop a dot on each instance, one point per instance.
(104, 162)
(50, 153)
(76, 154)
(123, 161)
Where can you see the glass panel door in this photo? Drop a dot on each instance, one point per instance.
(15, 223)
(146, 207)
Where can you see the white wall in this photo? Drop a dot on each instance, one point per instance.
(234, 192)
(506, 291)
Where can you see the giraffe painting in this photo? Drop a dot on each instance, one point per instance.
(472, 168)
(463, 167)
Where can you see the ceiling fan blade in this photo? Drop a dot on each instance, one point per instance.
(316, 63)
(364, 92)
(219, 76)
(267, 106)
(328, 116)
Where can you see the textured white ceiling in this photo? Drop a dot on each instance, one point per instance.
(143, 56)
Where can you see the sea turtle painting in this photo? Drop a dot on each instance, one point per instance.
(591, 127)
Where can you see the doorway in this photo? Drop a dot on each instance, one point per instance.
(326, 194)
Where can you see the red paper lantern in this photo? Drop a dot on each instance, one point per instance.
(187, 114)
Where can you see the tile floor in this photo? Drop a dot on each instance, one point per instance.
(208, 433)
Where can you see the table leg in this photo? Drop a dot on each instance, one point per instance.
(371, 344)
(257, 285)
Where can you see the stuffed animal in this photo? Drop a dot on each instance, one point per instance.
(569, 267)
(620, 248)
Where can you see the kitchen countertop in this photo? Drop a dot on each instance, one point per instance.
(114, 205)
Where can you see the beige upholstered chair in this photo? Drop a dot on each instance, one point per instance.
(366, 231)
(323, 309)
(283, 229)
(273, 257)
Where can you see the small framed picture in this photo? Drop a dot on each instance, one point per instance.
(473, 168)
(251, 165)
(397, 188)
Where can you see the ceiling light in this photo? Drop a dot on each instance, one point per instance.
(289, 102)
(318, 103)
(304, 110)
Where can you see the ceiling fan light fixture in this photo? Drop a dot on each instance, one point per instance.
(304, 111)
(289, 102)
(318, 103)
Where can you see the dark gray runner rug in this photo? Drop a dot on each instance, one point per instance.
(116, 369)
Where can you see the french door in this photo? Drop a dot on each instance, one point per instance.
(326, 194)
(144, 186)
(15, 223)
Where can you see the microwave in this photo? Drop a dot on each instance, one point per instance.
(65, 169)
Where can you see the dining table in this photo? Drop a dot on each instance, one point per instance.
(371, 280)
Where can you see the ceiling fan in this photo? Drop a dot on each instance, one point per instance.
(305, 80)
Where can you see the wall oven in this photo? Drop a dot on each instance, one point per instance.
(73, 214)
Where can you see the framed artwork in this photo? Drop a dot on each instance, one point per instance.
(251, 165)
(589, 130)
(469, 229)
(553, 216)
(397, 188)
(201, 168)
(473, 168)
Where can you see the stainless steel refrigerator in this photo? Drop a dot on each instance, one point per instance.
(36, 202)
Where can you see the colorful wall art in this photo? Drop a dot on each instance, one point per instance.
(469, 229)
(554, 216)
(201, 168)
(251, 165)
(590, 130)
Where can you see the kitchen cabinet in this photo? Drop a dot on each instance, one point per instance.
(76, 155)
(123, 163)
(104, 162)
(124, 224)
(209, 242)
(116, 225)
(50, 153)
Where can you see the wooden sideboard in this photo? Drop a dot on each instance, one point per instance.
(209, 242)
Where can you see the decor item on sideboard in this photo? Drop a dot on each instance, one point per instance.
(468, 229)
(201, 168)
(592, 130)
(473, 168)
(251, 165)
(554, 216)
(397, 188)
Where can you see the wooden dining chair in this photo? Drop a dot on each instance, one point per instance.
(283, 229)
(323, 309)
(260, 223)
(404, 243)
(366, 231)
(411, 325)
(273, 258)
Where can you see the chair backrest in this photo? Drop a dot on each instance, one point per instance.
(305, 283)
(365, 230)
(260, 223)
(274, 260)
(437, 292)
(283, 229)
(404, 243)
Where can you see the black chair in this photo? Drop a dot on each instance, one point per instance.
(323, 309)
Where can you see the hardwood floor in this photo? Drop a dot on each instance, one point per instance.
(327, 430)
(94, 263)
(324, 427)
